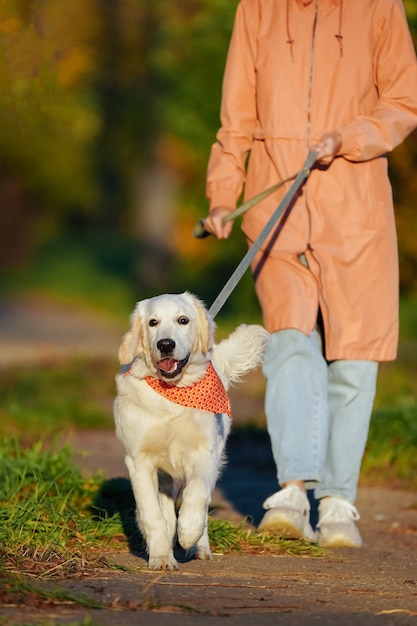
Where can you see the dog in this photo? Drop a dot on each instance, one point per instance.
(172, 416)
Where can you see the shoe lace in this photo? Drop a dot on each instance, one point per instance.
(339, 511)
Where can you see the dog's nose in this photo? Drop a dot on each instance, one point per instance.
(165, 346)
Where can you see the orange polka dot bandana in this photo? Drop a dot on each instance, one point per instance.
(208, 394)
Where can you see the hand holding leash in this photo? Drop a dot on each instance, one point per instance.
(201, 233)
(300, 178)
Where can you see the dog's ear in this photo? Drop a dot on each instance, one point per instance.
(205, 327)
(132, 343)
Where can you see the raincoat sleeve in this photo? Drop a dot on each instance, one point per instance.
(226, 167)
(395, 115)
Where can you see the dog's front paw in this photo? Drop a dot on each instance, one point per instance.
(162, 562)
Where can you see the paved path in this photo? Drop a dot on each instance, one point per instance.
(36, 329)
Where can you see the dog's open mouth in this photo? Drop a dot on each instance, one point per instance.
(170, 368)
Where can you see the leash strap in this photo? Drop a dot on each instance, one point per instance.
(234, 279)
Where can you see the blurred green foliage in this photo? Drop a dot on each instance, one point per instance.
(45, 402)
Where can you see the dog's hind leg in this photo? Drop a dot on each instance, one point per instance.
(167, 503)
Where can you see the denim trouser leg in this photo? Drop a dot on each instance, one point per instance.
(296, 404)
(317, 414)
(352, 386)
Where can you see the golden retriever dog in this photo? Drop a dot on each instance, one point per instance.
(172, 416)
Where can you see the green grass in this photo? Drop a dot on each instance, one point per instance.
(390, 456)
(56, 523)
(226, 537)
(48, 517)
(44, 401)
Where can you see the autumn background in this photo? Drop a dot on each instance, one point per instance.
(108, 111)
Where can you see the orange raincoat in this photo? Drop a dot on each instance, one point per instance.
(295, 70)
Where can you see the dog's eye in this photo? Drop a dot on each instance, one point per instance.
(183, 320)
(153, 322)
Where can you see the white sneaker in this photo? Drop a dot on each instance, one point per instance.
(288, 515)
(337, 528)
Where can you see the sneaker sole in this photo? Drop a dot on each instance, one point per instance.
(281, 526)
(338, 541)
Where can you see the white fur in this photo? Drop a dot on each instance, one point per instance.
(172, 449)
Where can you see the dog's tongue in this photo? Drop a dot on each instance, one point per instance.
(167, 365)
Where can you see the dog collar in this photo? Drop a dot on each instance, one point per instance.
(208, 394)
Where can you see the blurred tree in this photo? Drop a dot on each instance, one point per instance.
(46, 122)
(402, 165)
(159, 85)
(137, 187)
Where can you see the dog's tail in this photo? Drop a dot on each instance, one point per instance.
(241, 352)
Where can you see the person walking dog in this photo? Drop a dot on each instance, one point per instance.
(339, 77)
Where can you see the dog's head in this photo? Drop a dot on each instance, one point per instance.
(169, 332)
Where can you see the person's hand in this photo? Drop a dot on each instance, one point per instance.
(214, 223)
(328, 147)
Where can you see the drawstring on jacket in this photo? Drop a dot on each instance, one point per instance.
(339, 36)
(290, 40)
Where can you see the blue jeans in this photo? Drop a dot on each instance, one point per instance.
(318, 413)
